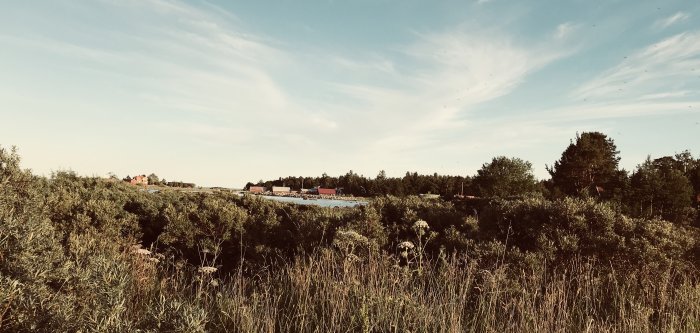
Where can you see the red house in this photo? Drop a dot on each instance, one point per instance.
(256, 189)
(139, 180)
(326, 191)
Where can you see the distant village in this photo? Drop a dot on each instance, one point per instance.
(315, 192)
(286, 190)
(152, 179)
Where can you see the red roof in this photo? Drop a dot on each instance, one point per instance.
(257, 189)
(328, 191)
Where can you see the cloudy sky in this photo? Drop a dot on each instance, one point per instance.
(222, 92)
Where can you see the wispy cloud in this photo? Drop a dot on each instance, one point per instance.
(564, 30)
(451, 73)
(661, 68)
(199, 75)
(671, 20)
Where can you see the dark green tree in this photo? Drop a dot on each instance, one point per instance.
(660, 189)
(505, 177)
(590, 165)
(153, 179)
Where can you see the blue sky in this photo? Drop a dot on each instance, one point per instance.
(222, 92)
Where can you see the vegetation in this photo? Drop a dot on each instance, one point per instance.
(88, 254)
(505, 177)
(588, 166)
(353, 184)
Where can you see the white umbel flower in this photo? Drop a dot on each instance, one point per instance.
(404, 248)
(207, 270)
(421, 227)
(406, 245)
(142, 252)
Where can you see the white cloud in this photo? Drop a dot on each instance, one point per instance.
(451, 73)
(671, 20)
(666, 95)
(564, 30)
(617, 110)
(210, 80)
(662, 68)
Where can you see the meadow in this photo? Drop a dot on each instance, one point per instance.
(81, 254)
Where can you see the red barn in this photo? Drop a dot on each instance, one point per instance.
(326, 191)
(256, 189)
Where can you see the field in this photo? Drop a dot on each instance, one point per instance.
(84, 254)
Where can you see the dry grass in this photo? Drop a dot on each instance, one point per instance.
(326, 293)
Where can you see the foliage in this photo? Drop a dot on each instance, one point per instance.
(660, 189)
(358, 185)
(587, 166)
(505, 177)
(563, 229)
(94, 255)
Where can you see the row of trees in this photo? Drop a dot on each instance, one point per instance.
(358, 185)
(666, 186)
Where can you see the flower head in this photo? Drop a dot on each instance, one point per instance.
(207, 270)
(143, 252)
(406, 245)
(404, 248)
(421, 227)
(421, 224)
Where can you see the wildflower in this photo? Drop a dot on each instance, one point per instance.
(352, 258)
(214, 283)
(404, 248)
(345, 238)
(352, 235)
(143, 252)
(406, 245)
(420, 227)
(207, 270)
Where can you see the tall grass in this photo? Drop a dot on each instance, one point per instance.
(328, 293)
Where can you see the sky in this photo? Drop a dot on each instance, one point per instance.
(220, 93)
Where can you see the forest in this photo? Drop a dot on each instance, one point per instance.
(594, 248)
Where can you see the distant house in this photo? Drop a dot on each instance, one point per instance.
(257, 189)
(281, 189)
(139, 180)
(326, 191)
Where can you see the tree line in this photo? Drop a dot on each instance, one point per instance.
(667, 186)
